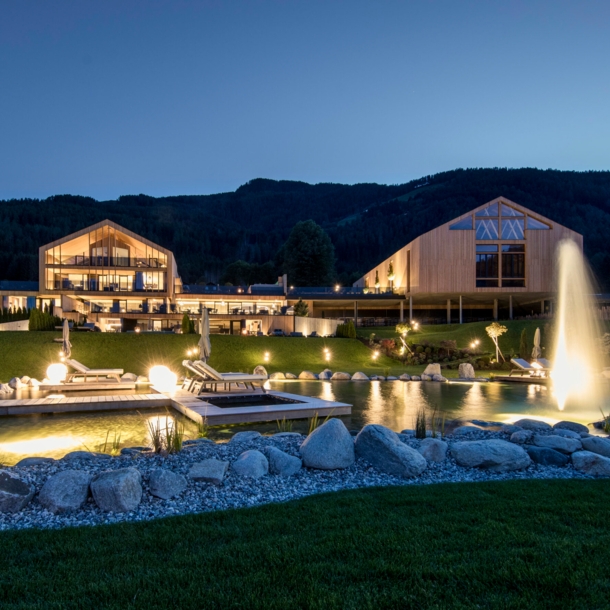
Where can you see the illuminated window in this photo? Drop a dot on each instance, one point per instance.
(513, 266)
(487, 266)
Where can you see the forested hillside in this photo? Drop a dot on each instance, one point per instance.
(366, 222)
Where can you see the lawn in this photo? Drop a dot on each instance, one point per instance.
(508, 545)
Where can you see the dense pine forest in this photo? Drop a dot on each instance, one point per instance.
(366, 222)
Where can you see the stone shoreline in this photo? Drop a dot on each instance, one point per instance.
(102, 490)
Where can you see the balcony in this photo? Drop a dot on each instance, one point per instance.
(344, 291)
(106, 261)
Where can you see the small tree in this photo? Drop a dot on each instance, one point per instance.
(186, 324)
(301, 309)
(495, 331)
(377, 282)
(391, 275)
(523, 348)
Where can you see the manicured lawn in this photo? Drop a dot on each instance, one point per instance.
(509, 545)
(29, 353)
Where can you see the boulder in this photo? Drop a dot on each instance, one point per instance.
(533, 424)
(509, 429)
(425, 377)
(341, 376)
(546, 456)
(324, 376)
(85, 455)
(5, 388)
(567, 433)
(251, 464)
(462, 430)
(492, 455)
(245, 437)
(466, 371)
(521, 437)
(571, 425)
(328, 447)
(597, 444)
(15, 383)
(65, 491)
(33, 383)
(307, 375)
(129, 377)
(391, 378)
(433, 369)
(591, 463)
(117, 491)
(209, 471)
(142, 379)
(291, 376)
(382, 448)
(282, 463)
(439, 378)
(415, 378)
(358, 376)
(380, 378)
(405, 377)
(433, 449)
(166, 484)
(14, 492)
(277, 375)
(559, 443)
(260, 370)
(33, 461)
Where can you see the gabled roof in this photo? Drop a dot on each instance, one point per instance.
(99, 225)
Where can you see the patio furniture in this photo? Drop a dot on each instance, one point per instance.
(544, 363)
(84, 371)
(523, 366)
(206, 376)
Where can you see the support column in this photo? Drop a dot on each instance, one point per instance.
(510, 307)
(410, 309)
(495, 309)
(542, 306)
(551, 307)
(402, 311)
(356, 314)
(448, 311)
(461, 317)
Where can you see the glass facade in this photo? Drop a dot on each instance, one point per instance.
(487, 266)
(513, 266)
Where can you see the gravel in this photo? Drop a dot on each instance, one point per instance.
(239, 492)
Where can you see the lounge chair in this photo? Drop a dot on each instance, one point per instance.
(544, 363)
(523, 366)
(206, 376)
(84, 371)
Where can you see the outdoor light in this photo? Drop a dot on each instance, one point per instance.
(415, 325)
(327, 356)
(61, 354)
(266, 356)
(337, 288)
(375, 354)
(56, 373)
(162, 378)
(137, 329)
(472, 345)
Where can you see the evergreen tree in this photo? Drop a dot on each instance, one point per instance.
(301, 309)
(524, 350)
(186, 324)
(309, 255)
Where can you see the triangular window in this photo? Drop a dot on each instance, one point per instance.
(465, 224)
(508, 211)
(490, 210)
(532, 223)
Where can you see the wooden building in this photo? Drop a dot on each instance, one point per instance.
(499, 256)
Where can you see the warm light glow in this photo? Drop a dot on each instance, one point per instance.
(337, 288)
(162, 378)
(536, 365)
(266, 356)
(327, 356)
(375, 355)
(40, 445)
(472, 345)
(56, 373)
(61, 354)
(137, 329)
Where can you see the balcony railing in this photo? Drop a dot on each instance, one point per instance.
(344, 291)
(94, 286)
(106, 261)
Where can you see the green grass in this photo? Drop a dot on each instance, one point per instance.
(29, 353)
(505, 545)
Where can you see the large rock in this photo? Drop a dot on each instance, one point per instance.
(597, 444)
(591, 463)
(533, 424)
(358, 376)
(251, 464)
(291, 376)
(33, 461)
(33, 383)
(25, 380)
(15, 383)
(464, 430)
(546, 456)
(117, 491)
(325, 375)
(466, 371)
(339, 376)
(328, 447)
(14, 492)
(433, 449)
(65, 491)
(433, 369)
(307, 375)
(521, 437)
(382, 448)
(425, 377)
(131, 377)
(281, 463)
(415, 378)
(438, 378)
(209, 471)
(571, 425)
(559, 443)
(166, 484)
(245, 437)
(260, 370)
(566, 433)
(142, 379)
(277, 375)
(492, 455)
(405, 377)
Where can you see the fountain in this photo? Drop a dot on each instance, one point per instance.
(576, 357)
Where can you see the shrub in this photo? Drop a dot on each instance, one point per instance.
(419, 349)
(301, 309)
(186, 324)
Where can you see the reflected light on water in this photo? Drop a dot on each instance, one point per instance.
(327, 391)
(40, 445)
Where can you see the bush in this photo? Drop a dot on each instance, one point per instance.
(42, 320)
(186, 324)
(419, 349)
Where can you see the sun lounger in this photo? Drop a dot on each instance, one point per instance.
(100, 375)
(523, 366)
(544, 363)
(206, 376)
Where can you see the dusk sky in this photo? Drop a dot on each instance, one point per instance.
(166, 98)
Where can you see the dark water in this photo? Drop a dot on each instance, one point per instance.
(392, 404)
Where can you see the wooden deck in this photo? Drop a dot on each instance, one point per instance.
(87, 386)
(30, 406)
(198, 410)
